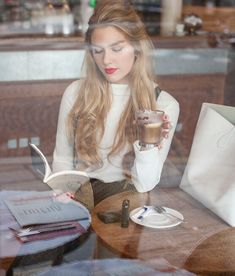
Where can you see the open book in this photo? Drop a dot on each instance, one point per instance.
(65, 181)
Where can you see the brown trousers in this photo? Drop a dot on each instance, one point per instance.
(94, 191)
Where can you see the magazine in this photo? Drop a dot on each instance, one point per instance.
(65, 181)
(44, 208)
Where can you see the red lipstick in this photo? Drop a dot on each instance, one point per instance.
(110, 71)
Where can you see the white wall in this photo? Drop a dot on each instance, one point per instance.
(66, 64)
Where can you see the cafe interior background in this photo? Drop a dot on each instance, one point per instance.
(41, 52)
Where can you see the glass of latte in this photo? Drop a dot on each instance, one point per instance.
(149, 127)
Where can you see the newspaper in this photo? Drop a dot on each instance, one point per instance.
(45, 207)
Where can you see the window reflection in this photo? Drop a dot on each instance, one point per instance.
(41, 52)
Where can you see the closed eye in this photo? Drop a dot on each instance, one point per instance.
(97, 50)
(117, 49)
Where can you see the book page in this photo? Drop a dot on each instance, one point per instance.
(67, 181)
(45, 207)
(39, 162)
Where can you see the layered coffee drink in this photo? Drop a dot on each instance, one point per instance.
(149, 126)
(150, 133)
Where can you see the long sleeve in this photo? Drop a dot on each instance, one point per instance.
(147, 167)
(63, 152)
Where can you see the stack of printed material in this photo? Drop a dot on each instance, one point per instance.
(45, 215)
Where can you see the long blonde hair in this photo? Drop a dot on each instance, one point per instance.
(89, 112)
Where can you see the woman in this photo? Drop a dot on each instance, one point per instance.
(96, 126)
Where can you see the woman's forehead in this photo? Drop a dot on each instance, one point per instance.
(106, 36)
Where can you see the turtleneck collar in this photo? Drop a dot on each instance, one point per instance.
(120, 89)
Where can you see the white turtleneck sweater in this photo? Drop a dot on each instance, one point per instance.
(147, 167)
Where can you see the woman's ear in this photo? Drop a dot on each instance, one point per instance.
(136, 54)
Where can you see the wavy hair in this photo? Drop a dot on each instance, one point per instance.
(89, 112)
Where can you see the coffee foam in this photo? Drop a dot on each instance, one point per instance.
(153, 125)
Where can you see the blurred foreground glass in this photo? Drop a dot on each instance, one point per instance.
(149, 127)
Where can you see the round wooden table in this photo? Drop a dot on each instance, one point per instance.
(205, 244)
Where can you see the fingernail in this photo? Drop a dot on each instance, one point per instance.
(70, 195)
(165, 117)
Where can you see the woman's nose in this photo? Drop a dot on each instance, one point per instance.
(107, 58)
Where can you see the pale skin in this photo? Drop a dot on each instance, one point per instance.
(114, 55)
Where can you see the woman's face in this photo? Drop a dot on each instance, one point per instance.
(113, 54)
